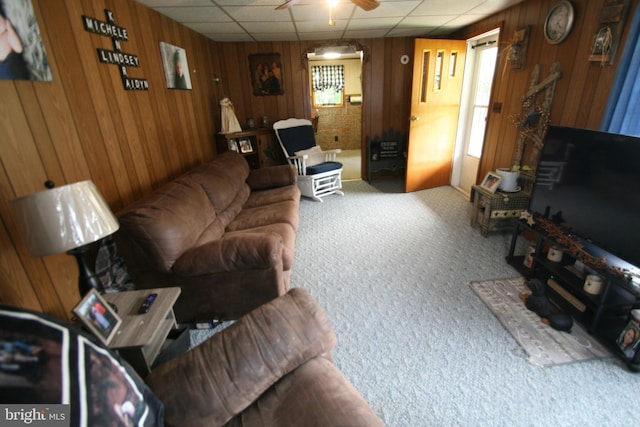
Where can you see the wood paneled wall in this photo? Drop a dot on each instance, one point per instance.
(582, 92)
(83, 125)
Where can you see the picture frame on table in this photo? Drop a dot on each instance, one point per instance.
(245, 146)
(491, 182)
(233, 145)
(98, 316)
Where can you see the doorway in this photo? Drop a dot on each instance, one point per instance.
(336, 101)
(482, 55)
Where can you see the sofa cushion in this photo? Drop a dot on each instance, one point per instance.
(286, 212)
(273, 195)
(169, 221)
(213, 382)
(316, 394)
(222, 178)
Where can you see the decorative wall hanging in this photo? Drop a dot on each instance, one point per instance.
(606, 40)
(176, 67)
(517, 51)
(22, 53)
(115, 56)
(534, 119)
(266, 74)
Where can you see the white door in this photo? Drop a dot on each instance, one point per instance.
(481, 62)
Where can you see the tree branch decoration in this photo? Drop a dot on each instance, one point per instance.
(577, 250)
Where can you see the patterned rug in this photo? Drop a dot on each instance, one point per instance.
(544, 345)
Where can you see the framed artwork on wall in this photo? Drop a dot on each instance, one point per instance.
(23, 53)
(176, 67)
(266, 74)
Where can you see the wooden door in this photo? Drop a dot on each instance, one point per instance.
(435, 101)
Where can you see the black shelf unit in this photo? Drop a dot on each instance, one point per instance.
(604, 315)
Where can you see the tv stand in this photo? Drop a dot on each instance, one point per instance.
(604, 315)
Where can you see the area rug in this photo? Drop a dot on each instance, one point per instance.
(544, 345)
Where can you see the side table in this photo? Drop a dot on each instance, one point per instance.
(141, 336)
(494, 211)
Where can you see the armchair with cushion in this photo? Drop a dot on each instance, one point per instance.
(319, 174)
(272, 367)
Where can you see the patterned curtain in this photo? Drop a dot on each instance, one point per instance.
(327, 77)
(623, 110)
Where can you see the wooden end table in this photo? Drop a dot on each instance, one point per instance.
(141, 336)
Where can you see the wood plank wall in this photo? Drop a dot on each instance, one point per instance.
(83, 125)
(582, 92)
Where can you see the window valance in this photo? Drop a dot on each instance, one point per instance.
(328, 77)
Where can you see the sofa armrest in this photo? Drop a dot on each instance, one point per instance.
(273, 176)
(215, 381)
(234, 251)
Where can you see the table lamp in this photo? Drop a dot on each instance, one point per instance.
(66, 219)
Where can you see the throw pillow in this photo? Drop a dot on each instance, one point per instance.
(315, 155)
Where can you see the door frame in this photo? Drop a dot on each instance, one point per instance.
(466, 103)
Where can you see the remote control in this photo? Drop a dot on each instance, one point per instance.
(146, 305)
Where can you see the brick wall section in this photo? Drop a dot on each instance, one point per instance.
(345, 123)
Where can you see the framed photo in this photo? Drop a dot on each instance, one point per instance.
(98, 316)
(245, 146)
(491, 182)
(629, 340)
(266, 74)
(176, 68)
(233, 145)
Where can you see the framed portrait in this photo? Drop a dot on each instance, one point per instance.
(98, 316)
(233, 145)
(491, 182)
(245, 146)
(629, 340)
(23, 52)
(266, 74)
(176, 67)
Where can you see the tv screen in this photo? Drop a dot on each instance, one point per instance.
(591, 181)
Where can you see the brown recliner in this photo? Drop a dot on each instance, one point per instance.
(223, 233)
(270, 368)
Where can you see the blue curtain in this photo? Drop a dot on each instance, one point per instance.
(623, 110)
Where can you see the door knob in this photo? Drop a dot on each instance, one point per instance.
(415, 118)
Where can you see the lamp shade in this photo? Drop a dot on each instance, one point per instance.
(63, 218)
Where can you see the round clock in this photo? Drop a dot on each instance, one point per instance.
(559, 21)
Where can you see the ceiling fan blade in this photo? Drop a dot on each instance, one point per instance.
(366, 4)
(287, 4)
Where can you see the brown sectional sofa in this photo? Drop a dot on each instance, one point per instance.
(223, 233)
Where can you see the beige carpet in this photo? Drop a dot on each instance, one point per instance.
(544, 345)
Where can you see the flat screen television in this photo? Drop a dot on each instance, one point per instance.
(590, 180)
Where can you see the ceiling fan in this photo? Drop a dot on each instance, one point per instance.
(362, 4)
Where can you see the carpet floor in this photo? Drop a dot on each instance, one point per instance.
(392, 270)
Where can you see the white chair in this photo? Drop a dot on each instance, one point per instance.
(319, 174)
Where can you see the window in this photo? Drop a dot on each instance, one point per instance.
(328, 85)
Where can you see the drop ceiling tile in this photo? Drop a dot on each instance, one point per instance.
(194, 14)
(373, 24)
(269, 27)
(257, 14)
(315, 12)
(320, 26)
(446, 7)
(396, 8)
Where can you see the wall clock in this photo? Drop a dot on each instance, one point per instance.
(559, 22)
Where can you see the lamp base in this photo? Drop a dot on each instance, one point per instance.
(87, 279)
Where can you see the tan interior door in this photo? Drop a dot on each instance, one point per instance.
(435, 101)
